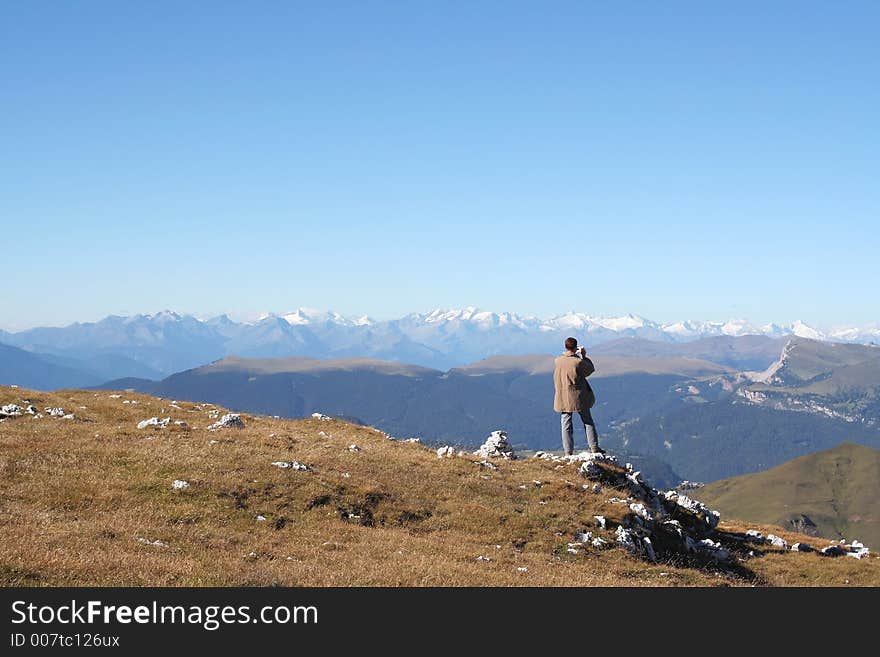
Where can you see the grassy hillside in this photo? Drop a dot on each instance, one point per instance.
(836, 492)
(90, 500)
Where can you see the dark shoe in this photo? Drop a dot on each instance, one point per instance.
(599, 450)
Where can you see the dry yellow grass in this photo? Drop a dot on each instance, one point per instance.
(79, 495)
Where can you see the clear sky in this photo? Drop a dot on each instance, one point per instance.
(671, 159)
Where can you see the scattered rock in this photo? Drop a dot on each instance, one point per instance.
(228, 421)
(640, 511)
(601, 521)
(154, 422)
(291, 465)
(833, 551)
(180, 423)
(445, 452)
(486, 464)
(802, 547)
(754, 536)
(635, 544)
(522, 569)
(155, 543)
(496, 446)
(583, 536)
(55, 412)
(260, 518)
(776, 541)
(179, 484)
(857, 550)
(711, 518)
(115, 396)
(353, 448)
(10, 410)
(68, 416)
(32, 409)
(321, 416)
(708, 547)
(411, 440)
(689, 485)
(482, 558)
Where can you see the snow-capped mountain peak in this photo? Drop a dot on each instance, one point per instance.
(803, 330)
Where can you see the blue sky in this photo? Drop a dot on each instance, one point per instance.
(676, 159)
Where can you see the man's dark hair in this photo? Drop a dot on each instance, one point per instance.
(571, 344)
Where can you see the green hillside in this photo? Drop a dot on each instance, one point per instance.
(833, 493)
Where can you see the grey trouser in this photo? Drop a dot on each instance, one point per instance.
(568, 432)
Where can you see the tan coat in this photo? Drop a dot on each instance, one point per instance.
(573, 392)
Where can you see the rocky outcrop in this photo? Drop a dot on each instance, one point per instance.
(658, 525)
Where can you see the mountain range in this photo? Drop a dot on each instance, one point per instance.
(154, 346)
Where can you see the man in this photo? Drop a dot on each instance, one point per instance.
(574, 394)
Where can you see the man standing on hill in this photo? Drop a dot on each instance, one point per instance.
(574, 394)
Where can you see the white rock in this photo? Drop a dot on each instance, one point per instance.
(353, 448)
(583, 536)
(640, 510)
(321, 416)
(496, 446)
(754, 536)
(601, 521)
(802, 547)
(156, 543)
(260, 518)
(179, 484)
(55, 412)
(628, 539)
(486, 464)
(154, 422)
(522, 569)
(712, 518)
(11, 410)
(776, 541)
(292, 465)
(445, 452)
(587, 456)
(115, 396)
(228, 421)
(180, 423)
(32, 409)
(68, 416)
(482, 558)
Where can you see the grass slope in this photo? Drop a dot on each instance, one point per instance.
(837, 489)
(79, 498)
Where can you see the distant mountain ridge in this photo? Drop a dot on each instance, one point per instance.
(168, 342)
